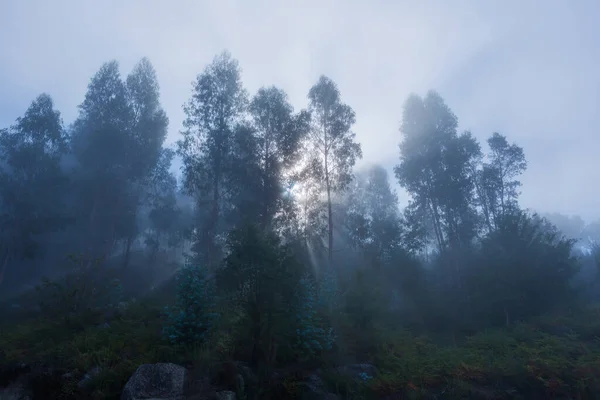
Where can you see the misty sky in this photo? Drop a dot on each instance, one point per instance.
(527, 69)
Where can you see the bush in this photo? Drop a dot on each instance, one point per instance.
(80, 292)
(525, 269)
(258, 278)
(311, 335)
(191, 319)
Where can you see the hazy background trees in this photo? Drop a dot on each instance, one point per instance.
(269, 199)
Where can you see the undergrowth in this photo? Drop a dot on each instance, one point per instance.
(550, 357)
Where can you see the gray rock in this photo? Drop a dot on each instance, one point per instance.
(94, 372)
(225, 395)
(314, 389)
(162, 381)
(357, 371)
(14, 392)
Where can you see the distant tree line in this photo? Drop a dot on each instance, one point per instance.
(462, 253)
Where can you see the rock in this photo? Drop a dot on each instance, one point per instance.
(14, 392)
(357, 371)
(94, 372)
(314, 389)
(162, 381)
(248, 376)
(9, 373)
(225, 395)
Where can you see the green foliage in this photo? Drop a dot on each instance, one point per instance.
(524, 270)
(460, 259)
(41, 342)
(436, 168)
(372, 217)
(334, 150)
(524, 361)
(31, 180)
(191, 319)
(312, 335)
(259, 277)
(81, 292)
(212, 119)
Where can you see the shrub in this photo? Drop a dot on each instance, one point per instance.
(191, 319)
(79, 292)
(311, 335)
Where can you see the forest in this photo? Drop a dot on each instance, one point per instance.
(272, 267)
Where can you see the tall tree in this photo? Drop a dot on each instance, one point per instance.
(436, 169)
(148, 133)
(31, 180)
(163, 212)
(216, 108)
(497, 180)
(279, 133)
(335, 150)
(103, 146)
(373, 217)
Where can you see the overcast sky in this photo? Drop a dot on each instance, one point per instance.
(527, 69)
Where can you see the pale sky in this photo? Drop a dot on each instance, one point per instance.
(527, 69)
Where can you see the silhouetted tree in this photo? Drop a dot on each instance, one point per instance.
(436, 168)
(216, 108)
(334, 149)
(31, 180)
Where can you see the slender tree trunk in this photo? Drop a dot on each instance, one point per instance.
(4, 266)
(506, 317)
(329, 214)
(257, 351)
(91, 245)
(265, 205)
(128, 251)
(214, 219)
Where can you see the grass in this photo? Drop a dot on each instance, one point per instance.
(117, 351)
(550, 357)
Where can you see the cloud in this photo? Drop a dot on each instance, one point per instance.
(525, 69)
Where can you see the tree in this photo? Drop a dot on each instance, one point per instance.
(102, 142)
(334, 149)
(373, 218)
(260, 275)
(436, 168)
(524, 268)
(278, 132)
(149, 130)
(496, 181)
(31, 180)
(163, 212)
(217, 106)
(117, 140)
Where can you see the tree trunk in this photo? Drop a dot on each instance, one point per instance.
(90, 230)
(127, 251)
(257, 351)
(212, 228)
(329, 213)
(506, 317)
(330, 218)
(265, 205)
(4, 266)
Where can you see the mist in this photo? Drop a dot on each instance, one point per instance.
(264, 201)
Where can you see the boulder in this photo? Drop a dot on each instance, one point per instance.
(14, 392)
(162, 381)
(357, 371)
(225, 395)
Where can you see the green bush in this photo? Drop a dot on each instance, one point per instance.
(191, 319)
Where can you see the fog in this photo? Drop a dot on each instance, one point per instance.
(524, 69)
(324, 200)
